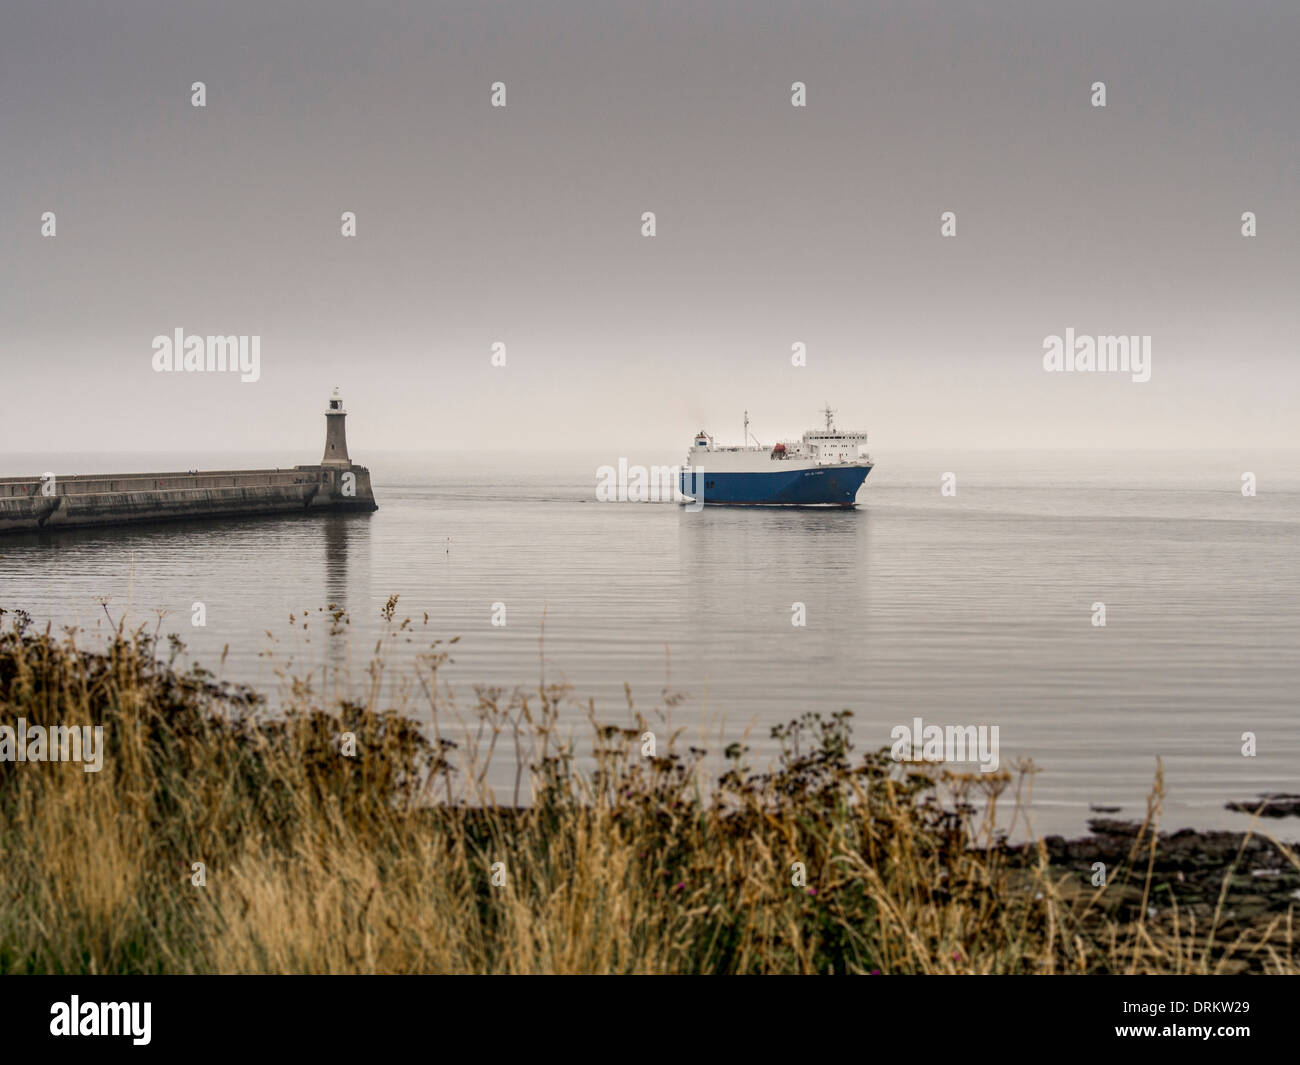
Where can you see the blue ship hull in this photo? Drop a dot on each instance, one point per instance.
(819, 486)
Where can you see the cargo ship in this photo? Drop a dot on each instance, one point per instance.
(826, 467)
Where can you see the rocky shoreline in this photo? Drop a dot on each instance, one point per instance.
(1251, 882)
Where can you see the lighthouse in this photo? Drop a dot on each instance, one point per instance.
(336, 436)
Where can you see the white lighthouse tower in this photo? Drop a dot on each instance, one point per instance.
(336, 437)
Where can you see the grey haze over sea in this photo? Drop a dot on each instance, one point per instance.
(974, 609)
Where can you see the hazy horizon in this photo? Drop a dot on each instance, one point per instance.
(514, 453)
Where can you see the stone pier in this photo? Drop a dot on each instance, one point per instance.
(66, 502)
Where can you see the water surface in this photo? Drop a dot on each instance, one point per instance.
(971, 609)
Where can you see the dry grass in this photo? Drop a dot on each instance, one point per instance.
(383, 862)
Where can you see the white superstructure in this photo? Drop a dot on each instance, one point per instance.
(817, 447)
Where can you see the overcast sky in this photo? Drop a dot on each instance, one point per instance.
(775, 224)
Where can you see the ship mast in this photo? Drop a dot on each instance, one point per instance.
(830, 415)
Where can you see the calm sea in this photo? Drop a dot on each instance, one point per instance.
(975, 608)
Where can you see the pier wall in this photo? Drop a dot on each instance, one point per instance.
(119, 499)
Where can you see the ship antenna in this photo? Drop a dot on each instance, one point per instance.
(830, 414)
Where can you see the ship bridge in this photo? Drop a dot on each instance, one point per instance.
(830, 446)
